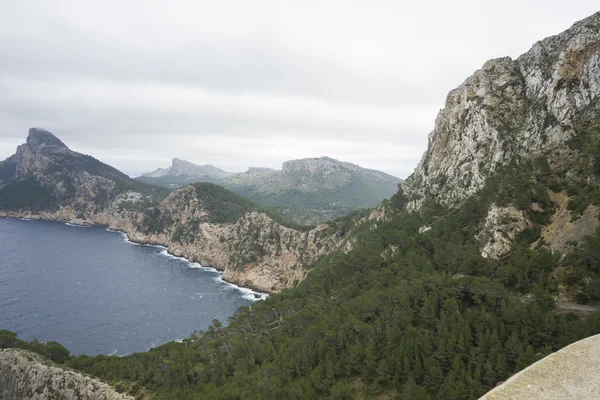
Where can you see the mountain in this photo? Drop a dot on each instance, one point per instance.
(314, 190)
(44, 174)
(308, 191)
(468, 274)
(203, 222)
(529, 130)
(182, 172)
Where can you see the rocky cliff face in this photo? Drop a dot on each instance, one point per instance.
(510, 111)
(25, 376)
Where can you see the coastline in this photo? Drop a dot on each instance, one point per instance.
(257, 293)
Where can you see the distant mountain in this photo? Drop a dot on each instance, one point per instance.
(44, 174)
(182, 172)
(309, 191)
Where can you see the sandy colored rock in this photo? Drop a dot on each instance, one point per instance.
(501, 225)
(572, 373)
(562, 229)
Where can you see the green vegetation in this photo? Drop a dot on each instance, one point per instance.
(51, 350)
(319, 204)
(224, 206)
(402, 315)
(27, 194)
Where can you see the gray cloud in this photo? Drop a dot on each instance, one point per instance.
(237, 83)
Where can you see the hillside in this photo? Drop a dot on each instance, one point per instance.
(446, 289)
(308, 191)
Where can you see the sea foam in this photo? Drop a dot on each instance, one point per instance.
(247, 293)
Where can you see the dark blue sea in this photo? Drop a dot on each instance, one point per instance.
(95, 292)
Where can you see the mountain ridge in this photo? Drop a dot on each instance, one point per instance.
(308, 190)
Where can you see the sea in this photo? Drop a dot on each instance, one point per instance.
(95, 292)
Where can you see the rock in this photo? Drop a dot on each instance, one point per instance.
(28, 376)
(569, 374)
(512, 111)
(563, 231)
(501, 225)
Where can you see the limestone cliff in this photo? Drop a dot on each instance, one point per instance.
(27, 376)
(512, 110)
(512, 113)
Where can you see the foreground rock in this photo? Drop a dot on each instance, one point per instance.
(572, 373)
(25, 376)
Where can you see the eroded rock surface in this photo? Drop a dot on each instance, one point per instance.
(512, 111)
(26, 376)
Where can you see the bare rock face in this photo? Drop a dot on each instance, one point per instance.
(25, 376)
(255, 251)
(501, 225)
(563, 229)
(510, 111)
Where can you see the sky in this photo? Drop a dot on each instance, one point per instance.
(251, 83)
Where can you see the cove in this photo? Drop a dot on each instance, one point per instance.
(95, 292)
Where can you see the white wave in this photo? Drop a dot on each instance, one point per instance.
(78, 226)
(25, 219)
(165, 253)
(196, 265)
(113, 353)
(247, 293)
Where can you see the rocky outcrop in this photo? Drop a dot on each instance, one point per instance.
(27, 376)
(501, 225)
(569, 374)
(563, 229)
(511, 111)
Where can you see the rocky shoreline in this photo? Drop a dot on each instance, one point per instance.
(218, 246)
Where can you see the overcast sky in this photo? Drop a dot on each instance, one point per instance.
(251, 83)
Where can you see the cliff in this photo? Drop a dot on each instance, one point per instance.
(27, 376)
(540, 112)
(250, 247)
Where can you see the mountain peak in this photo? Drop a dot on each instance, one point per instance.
(39, 138)
(178, 162)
